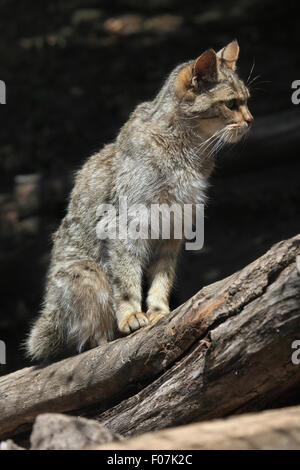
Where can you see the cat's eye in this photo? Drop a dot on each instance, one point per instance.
(232, 104)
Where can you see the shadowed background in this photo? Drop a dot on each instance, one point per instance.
(74, 70)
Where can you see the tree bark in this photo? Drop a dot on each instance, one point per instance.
(267, 430)
(227, 350)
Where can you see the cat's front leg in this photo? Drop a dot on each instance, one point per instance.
(126, 278)
(161, 275)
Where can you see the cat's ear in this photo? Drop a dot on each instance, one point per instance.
(205, 68)
(192, 76)
(229, 54)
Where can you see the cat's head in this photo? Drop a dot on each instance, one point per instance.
(212, 99)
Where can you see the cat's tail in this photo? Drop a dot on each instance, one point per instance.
(44, 342)
(77, 315)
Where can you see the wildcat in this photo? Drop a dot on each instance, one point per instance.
(163, 154)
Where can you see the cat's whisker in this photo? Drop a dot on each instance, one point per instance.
(264, 81)
(204, 145)
(261, 82)
(216, 134)
(212, 143)
(253, 80)
(218, 143)
(201, 149)
(251, 71)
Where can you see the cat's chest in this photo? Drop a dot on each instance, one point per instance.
(185, 187)
(150, 186)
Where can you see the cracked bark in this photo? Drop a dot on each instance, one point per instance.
(225, 351)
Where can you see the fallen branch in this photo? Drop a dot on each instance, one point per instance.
(267, 430)
(226, 350)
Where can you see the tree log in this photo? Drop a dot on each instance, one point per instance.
(267, 430)
(227, 350)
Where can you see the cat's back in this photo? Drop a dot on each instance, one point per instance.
(94, 179)
(77, 231)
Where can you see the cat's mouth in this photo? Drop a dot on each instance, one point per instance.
(234, 132)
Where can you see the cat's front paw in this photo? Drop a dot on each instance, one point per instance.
(132, 322)
(156, 314)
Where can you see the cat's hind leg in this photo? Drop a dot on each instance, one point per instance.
(77, 312)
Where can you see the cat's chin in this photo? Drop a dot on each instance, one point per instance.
(235, 134)
(233, 139)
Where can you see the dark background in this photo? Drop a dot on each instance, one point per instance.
(74, 70)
